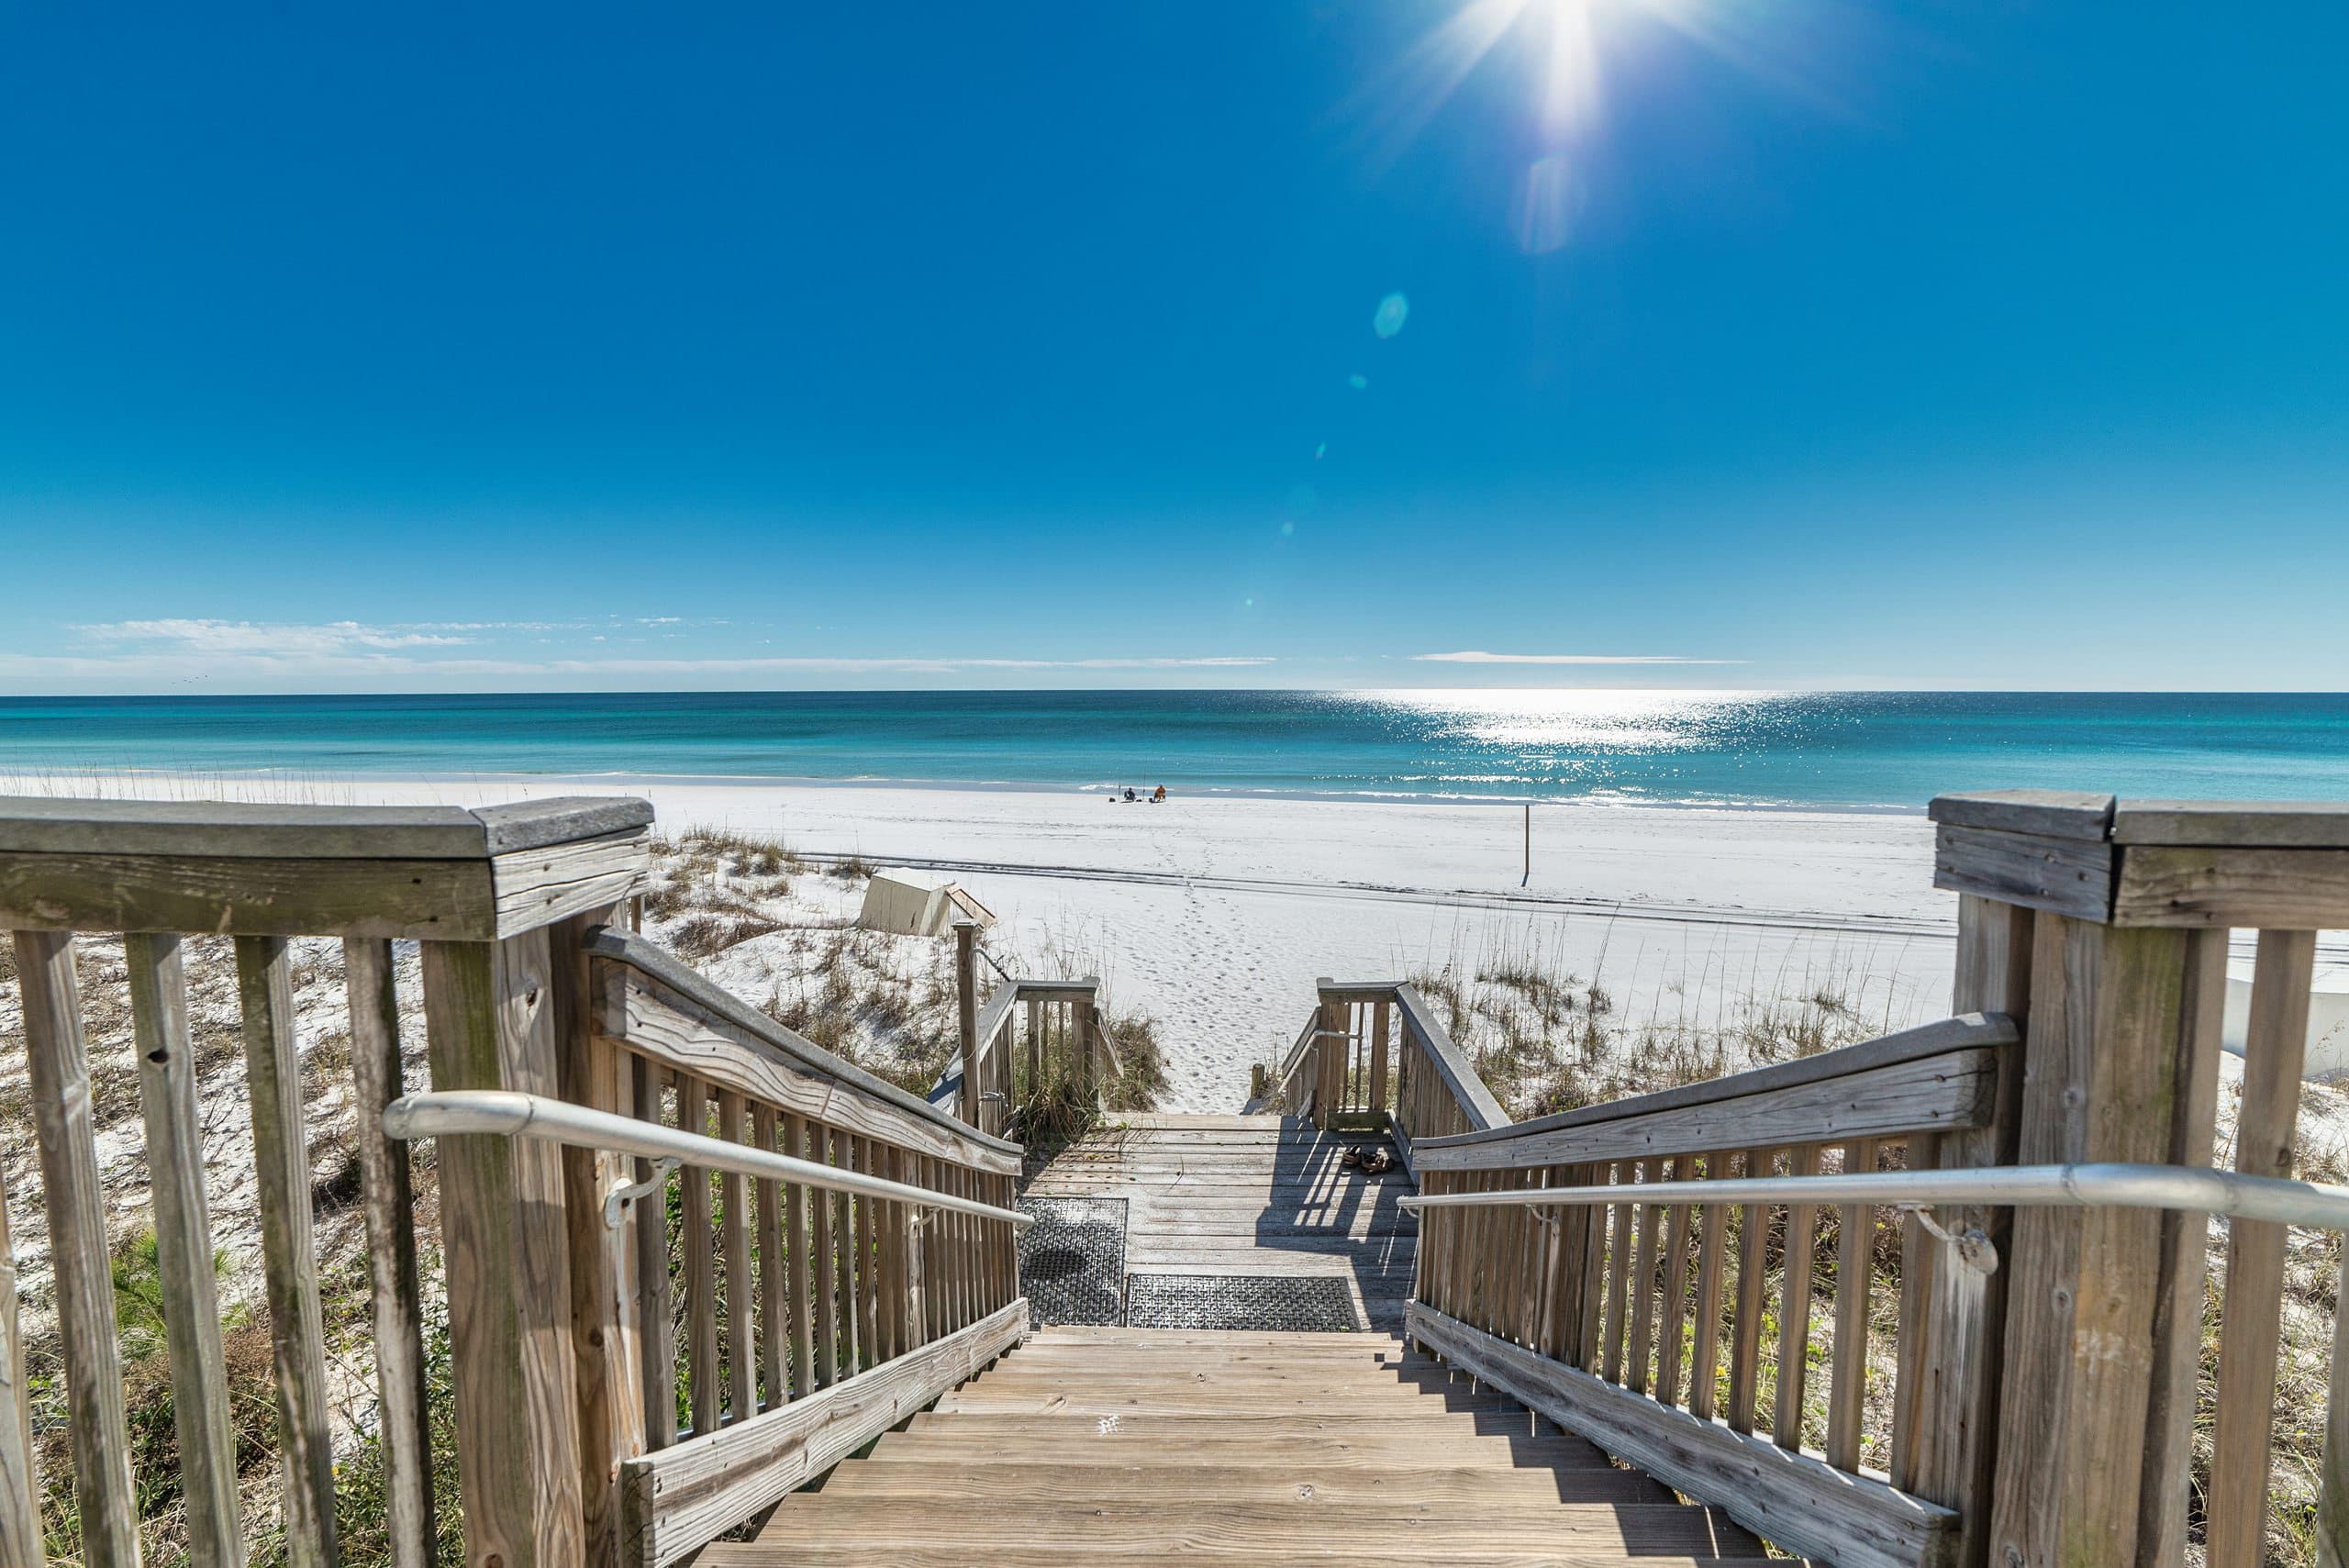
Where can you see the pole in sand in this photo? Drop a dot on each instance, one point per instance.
(1527, 880)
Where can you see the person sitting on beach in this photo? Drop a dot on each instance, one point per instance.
(1159, 795)
(1129, 795)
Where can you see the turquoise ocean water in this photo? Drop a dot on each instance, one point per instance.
(1873, 749)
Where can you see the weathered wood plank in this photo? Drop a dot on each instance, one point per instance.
(387, 1196)
(716, 1038)
(2190, 886)
(1951, 1090)
(704, 1400)
(58, 1063)
(1966, 1032)
(801, 1280)
(2050, 813)
(439, 899)
(2275, 1049)
(734, 1238)
(489, 1024)
(774, 1314)
(1854, 1280)
(1794, 1307)
(44, 823)
(2099, 1084)
(2171, 1419)
(1704, 1377)
(21, 1534)
(1745, 1318)
(183, 1258)
(289, 1252)
(544, 883)
(655, 1311)
(605, 1337)
(678, 1500)
(2244, 824)
(1792, 1500)
(1945, 1399)
(2064, 876)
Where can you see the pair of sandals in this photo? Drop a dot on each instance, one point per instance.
(1370, 1161)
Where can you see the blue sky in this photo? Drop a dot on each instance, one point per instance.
(1768, 344)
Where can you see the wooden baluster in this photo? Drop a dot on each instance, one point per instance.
(740, 1350)
(2332, 1468)
(891, 1220)
(966, 1241)
(21, 1534)
(1648, 1220)
(655, 1302)
(910, 1231)
(1946, 1409)
(1379, 1014)
(800, 1279)
(1745, 1322)
(1675, 1290)
(705, 1392)
(1619, 1278)
(183, 1258)
(2173, 1410)
(857, 1274)
(875, 1219)
(1854, 1278)
(1556, 1270)
(388, 1195)
(774, 1316)
(289, 1253)
(58, 1060)
(1705, 1361)
(2275, 1052)
(1793, 1309)
(1590, 1297)
(824, 1259)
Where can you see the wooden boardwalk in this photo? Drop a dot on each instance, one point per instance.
(1249, 1195)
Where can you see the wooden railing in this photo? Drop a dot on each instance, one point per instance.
(809, 1321)
(642, 1358)
(1374, 1055)
(1032, 1037)
(2052, 1285)
(1655, 1328)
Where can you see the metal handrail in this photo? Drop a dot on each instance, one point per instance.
(505, 1114)
(2312, 1205)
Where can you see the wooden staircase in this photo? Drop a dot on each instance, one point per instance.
(1192, 1446)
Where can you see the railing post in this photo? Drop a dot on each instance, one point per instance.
(490, 1022)
(1329, 1058)
(967, 995)
(604, 1334)
(2093, 1393)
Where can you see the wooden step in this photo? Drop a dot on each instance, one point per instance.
(1121, 1530)
(1124, 1445)
(1385, 1405)
(1343, 1554)
(1305, 1485)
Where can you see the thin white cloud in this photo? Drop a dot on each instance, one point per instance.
(1475, 656)
(269, 637)
(181, 650)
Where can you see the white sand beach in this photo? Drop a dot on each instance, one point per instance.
(1215, 915)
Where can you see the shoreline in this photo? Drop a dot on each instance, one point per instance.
(618, 779)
